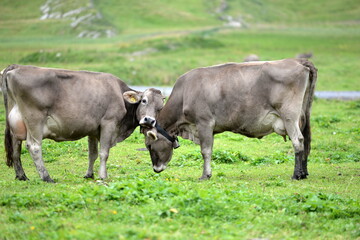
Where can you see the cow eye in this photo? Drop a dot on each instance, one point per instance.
(144, 101)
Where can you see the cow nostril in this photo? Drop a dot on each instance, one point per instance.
(152, 122)
(145, 119)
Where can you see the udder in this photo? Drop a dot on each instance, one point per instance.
(274, 123)
(261, 127)
(17, 124)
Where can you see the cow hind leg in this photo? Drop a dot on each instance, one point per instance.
(307, 143)
(297, 139)
(93, 154)
(19, 171)
(34, 147)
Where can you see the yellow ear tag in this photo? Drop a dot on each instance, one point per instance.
(133, 100)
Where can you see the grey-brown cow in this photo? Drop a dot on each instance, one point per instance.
(68, 105)
(253, 99)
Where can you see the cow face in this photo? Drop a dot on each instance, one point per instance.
(150, 103)
(160, 148)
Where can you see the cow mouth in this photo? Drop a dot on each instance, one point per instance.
(159, 169)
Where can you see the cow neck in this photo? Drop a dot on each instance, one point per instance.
(129, 121)
(171, 112)
(166, 121)
(130, 108)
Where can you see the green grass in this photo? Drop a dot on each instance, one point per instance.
(249, 196)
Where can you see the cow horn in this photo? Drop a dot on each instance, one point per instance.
(176, 144)
(152, 135)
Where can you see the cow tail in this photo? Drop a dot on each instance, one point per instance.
(308, 103)
(8, 141)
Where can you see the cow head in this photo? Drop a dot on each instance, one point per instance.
(160, 145)
(150, 102)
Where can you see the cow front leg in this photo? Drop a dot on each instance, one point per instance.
(206, 143)
(93, 154)
(19, 171)
(104, 154)
(107, 140)
(34, 147)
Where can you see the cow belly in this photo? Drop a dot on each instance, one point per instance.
(17, 124)
(59, 130)
(268, 124)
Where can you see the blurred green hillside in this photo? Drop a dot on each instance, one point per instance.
(153, 42)
(22, 18)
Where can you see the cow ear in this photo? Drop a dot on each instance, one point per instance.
(132, 96)
(152, 134)
(176, 144)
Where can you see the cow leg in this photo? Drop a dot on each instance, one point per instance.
(297, 139)
(104, 154)
(206, 138)
(107, 140)
(304, 165)
(307, 141)
(19, 171)
(93, 154)
(34, 147)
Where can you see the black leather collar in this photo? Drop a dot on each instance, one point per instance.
(164, 133)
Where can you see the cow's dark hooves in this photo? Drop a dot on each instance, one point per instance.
(302, 177)
(48, 179)
(22, 178)
(204, 178)
(89, 176)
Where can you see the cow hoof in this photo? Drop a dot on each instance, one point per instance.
(48, 179)
(299, 177)
(89, 176)
(22, 178)
(206, 177)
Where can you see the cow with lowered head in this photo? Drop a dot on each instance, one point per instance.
(65, 105)
(253, 99)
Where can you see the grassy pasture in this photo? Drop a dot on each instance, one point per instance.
(159, 60)
(251, 194)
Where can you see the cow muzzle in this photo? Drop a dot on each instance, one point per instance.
(148, 122)
(159, 169)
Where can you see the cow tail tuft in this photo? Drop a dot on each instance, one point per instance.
(307, 129)
(8, 146)
(8, 141)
